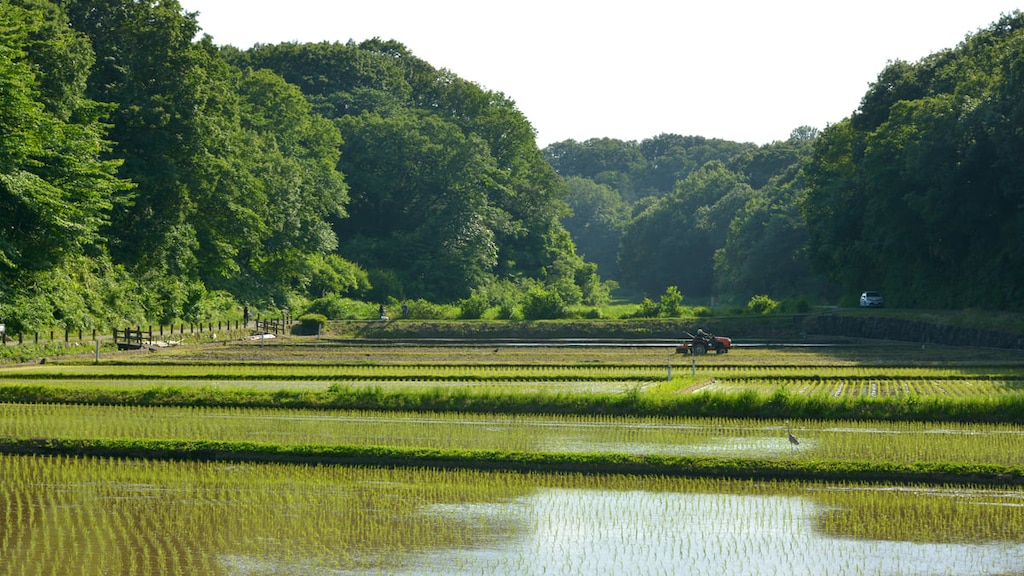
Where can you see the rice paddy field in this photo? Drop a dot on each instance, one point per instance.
(646, 482)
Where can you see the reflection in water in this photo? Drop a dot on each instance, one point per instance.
(611, 532)
(126, 517)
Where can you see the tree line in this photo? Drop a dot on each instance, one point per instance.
(919, 193)
(145, 174)
(150, 176)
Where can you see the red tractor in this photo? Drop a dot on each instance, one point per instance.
(702, 343)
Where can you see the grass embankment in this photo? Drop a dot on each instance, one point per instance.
(587, 463)
(781, 404)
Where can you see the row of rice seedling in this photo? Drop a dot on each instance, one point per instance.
(637, 352)
(341, 373)
(896, 442)
(869, 387)
(101, 516)
(825, 373)
(842, 382)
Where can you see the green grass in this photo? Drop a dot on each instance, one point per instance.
(939, 473)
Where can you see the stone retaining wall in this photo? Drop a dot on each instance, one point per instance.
(910, 331)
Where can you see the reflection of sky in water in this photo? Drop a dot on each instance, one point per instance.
(606, 532)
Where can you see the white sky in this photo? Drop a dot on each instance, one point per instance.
(742, 70)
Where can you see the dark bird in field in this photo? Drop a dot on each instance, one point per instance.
(789, 431)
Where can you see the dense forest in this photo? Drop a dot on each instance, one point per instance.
(919, 193)
(147, 176)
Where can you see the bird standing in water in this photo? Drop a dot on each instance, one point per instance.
(792, 439)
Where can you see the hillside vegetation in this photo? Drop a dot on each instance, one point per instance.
(147, 177)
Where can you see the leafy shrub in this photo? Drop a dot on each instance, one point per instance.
(421, 309)
(671, 301)
(332, 274)
(648, 309)
(762, 304)
(336, 307)
(542, 304)
(700, 311)
(474, 307)
(589, 313)
(384, 284)
(310, 325)
(668, 306)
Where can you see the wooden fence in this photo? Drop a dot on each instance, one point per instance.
(129, 338)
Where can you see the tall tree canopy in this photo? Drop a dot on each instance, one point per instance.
(236, 175)
(919, 193)
(673, 242)
(631, 217)
(449, 189)
(765, 251)
(420, 205)
(56, 187)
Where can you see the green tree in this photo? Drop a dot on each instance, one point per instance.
(146, 64)
(506, 223)
(596, 223)
(295, 181)
(55, 186)
(419, 206)
(917, 193)
(672, 243)
(766, 247)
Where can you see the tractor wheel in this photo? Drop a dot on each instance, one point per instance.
(699, 349)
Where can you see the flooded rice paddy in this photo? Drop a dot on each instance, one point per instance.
(95, 516)
(92, 516)
(898, 442)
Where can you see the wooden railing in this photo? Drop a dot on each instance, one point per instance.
(134, 337)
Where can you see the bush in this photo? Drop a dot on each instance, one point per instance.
(421, 309)
(384, 284)
(336, 307)
(669, 305)
(310, 325)
(474, 307)
(671, 301)
(591, 313)
(762, 304)
(541, 304)
(648, 309)
(795, 306)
